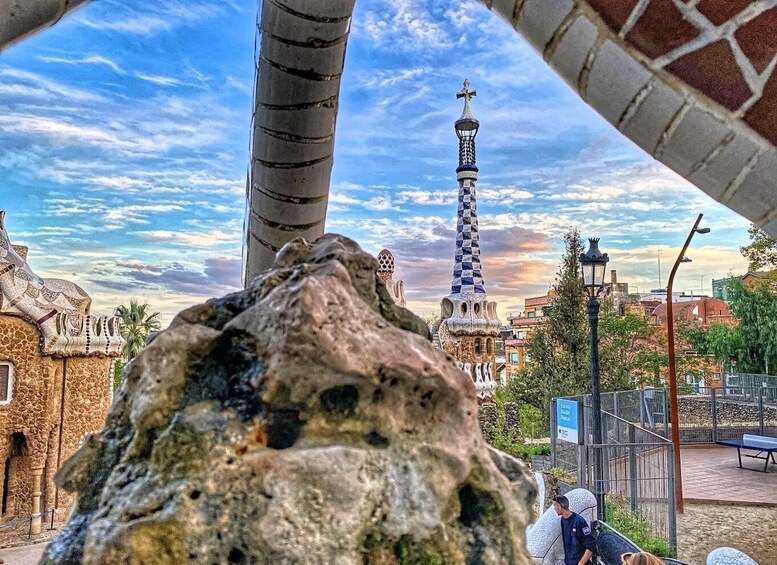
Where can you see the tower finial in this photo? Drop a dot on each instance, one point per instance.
(467, 95)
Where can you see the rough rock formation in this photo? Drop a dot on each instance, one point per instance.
(512, 423)
(306, 419)
(489, 420)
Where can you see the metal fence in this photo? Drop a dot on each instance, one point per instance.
(742, 406)
(647, 407)
(638, 475)
(728, 412)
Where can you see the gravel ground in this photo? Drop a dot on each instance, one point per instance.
(29, 555)
(704, 527)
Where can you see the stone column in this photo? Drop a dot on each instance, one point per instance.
(37, 520)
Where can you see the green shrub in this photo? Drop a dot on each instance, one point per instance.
(635, 528)
(512, 445)
(118, 365)
(561, 474)
(531, 420)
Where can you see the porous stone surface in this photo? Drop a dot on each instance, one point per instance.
(489, 420)
(729, 556)
(306, 419)
(697, 410)
(30, 434)
(512, 422)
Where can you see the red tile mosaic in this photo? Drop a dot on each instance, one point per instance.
(720, 11)
(762, 117)
(758, 39)
(661, 29)
(614, 12)
(714, 71)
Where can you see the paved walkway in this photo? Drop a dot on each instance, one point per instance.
(27, 555)
(712, 474)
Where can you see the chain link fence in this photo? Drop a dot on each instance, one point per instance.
(638, 474)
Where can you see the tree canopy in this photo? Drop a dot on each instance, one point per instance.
(761, 252)
(751, 344)
(136, 325)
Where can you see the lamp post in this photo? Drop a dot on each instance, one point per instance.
(593, 264)
(674, 413)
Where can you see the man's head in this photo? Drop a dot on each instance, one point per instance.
(561, 505)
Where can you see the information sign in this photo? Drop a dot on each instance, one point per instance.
(568, 421)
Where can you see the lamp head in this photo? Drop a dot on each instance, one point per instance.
(702, 230)
(592, 265)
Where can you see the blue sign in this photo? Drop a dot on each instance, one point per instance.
(568, 418)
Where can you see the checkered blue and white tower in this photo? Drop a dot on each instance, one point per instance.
(467, 275)
(467, 308)
(469, 325)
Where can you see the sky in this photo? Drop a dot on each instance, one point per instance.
(124, 144)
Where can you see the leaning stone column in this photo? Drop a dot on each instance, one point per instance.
(37, 472)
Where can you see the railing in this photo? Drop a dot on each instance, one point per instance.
(742, 406)
(638, 475)
(22, 527)
(728, 412)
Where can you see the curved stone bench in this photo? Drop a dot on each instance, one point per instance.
(544, 542)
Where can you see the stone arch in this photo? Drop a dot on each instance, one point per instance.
(693, 84)
(664, 74)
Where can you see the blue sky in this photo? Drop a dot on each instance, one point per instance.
(125, 131)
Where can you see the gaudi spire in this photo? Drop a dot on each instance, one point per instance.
(467, 275)
(469, 326)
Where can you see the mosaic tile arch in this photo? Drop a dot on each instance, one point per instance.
(61, 309)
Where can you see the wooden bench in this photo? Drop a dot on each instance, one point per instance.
(765, 447)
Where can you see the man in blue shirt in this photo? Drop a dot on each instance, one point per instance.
(579, 544)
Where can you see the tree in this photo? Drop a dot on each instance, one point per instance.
(136, 325)
(721, 341)
(630, 351)
(752, 343)
(558, 348)
(755, 307)
(761, 252)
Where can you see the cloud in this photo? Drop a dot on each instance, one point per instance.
(382, 79)
(34, 85)
(86, 60)
(152, 17)
(407, 25)
(212, 238)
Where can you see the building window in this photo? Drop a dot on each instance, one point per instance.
(6, 383)
(513, 358)
(477, 345)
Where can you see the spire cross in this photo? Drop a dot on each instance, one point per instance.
(467, 95)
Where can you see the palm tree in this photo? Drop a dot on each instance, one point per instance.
(136, 325)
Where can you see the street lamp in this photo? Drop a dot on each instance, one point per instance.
(674, 414)
(593, 264)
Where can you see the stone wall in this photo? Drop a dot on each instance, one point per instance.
(467, 350)
(87, 401)
(31, 411)
(35, 409)
(489, 419)
(697, 411)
